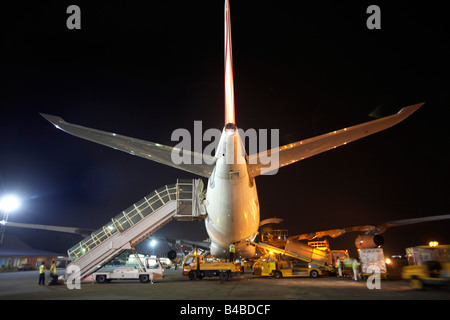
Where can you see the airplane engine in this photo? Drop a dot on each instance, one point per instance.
(365, 241)
(175, 256)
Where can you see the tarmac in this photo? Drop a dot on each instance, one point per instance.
(175, 286)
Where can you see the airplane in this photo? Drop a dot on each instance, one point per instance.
(233, 212)
(371, 236)
(84, 232)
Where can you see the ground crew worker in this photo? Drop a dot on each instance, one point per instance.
(355, 265)
(339, 266)
(53, 272)
(42, 274)
(232, 251)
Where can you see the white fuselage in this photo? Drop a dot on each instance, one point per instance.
(231, 199)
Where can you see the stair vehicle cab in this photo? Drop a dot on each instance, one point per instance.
(153, 270)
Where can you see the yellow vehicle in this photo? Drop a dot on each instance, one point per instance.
(247, 264)
(428, 266)
(196, 267)
(272, 265)
(283, 269)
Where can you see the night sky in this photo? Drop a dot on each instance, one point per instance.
(145, 69)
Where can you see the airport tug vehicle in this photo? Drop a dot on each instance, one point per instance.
(197, 267)
(428, 266)
(151, 270)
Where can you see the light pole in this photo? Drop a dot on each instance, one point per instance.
(7, 204)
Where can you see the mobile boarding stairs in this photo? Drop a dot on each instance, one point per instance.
(180, 201)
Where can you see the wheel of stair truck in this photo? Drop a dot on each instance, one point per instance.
(100, 278)
(223, 276)
(144, 278)
(277, 274)
(314, 274)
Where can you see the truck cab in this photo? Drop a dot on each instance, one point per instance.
(192, 262)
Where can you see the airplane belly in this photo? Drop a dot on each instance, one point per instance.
(233, 210)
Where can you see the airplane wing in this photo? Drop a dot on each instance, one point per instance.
(367, 229)
(145, 149)
(80, 231)
(290, 153)
(270, 220)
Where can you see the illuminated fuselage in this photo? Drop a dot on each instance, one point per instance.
(231, 200)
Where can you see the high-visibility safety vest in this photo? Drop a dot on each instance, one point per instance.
(232, 248)
(42, 269)
(53, 268)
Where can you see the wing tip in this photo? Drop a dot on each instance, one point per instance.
(52, 119)
(411, 109)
